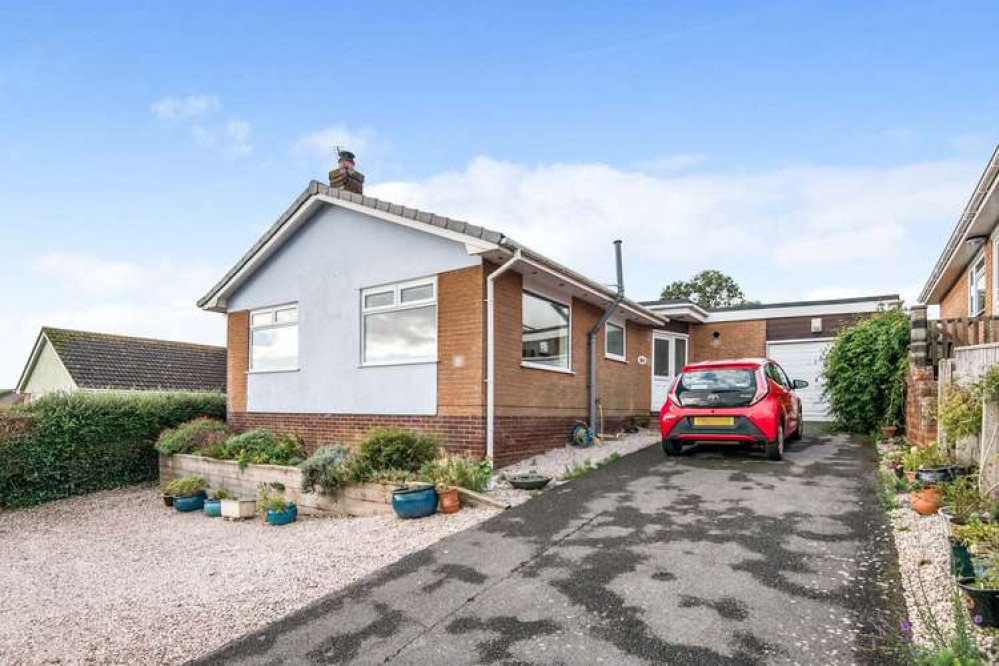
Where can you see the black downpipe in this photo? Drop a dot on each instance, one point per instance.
(591, 339)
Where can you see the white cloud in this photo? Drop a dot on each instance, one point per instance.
(231, 137)
(192, 107)
(667, 164)
(154, 298)
(780, 232)
(363, 141)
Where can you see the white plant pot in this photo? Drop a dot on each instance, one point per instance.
(239, 508)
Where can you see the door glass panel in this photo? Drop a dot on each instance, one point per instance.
(660, 357)
(680, 355)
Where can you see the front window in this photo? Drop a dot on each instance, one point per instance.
(274, 339)
(544, 332)
(399, 323)
(976, 288)
(614, 342)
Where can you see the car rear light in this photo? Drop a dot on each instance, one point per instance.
(671, 397)
(762, 386)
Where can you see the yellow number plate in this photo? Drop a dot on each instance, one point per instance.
(714, 421)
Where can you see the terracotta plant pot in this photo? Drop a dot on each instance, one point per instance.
(925, 502)
(888, 431)
(450, 502)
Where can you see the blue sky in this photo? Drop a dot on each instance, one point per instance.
(809, 149)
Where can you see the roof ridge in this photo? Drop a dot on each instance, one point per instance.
(118, 336)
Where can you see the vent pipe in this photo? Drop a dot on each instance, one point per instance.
(591, 339)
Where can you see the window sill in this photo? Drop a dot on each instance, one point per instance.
(549, 368)
(619, 359)
(388, 364)
(271, 372)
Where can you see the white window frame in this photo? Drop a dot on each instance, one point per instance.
(995, 275)
(976, 309)
(623, 357)
(273, 311)
(542, 366)
(396, 288)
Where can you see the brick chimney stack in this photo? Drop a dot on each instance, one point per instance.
(345, 177)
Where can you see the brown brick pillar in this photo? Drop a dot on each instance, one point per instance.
(237, 359)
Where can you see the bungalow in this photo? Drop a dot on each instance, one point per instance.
(963, 285)
(64, 361)
(351, 312)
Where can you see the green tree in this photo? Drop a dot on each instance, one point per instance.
(865, 370)
(709, 289)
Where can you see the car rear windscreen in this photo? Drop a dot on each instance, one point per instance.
(717, 388)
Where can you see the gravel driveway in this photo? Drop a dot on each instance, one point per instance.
(116, 577)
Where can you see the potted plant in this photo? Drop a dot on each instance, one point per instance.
(188, 493)
(961, 500)
(213, 505)
(238, 509)
(272, 504)
(983, 593)
(924, 498)
(167, 497)
(889, 429)
(928, 464)
(414, 500)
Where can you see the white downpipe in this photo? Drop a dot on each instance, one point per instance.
(491, 351)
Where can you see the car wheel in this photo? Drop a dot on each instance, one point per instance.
(672, 447)
(775, 449)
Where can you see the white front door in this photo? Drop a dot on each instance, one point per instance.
(669, 355)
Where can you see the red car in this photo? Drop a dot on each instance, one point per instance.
(747, 401)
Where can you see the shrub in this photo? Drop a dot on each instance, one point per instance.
(865, 370)
(270, 497)
(962, 497)
(259, 447)
(960, 413)
(80, 442)
(325, 469)
(222, 495)
(386, 449)
(197, 435)
(459, 472)
(185, 486)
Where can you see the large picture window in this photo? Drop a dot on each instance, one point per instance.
(274, 339)
(399, 323)
(545, 332)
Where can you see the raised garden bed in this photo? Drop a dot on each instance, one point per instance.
(366, 499)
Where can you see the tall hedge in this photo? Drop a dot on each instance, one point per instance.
(70, 444)
(865, 370)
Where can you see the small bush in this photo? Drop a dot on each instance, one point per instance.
(185, 486)
(270, 497)
(960, 413)
(259, 447)
(864, 372)
(197, 435)
(386, 449)
(458, 472)
(222, 495)
(69, 444)
(325, 469)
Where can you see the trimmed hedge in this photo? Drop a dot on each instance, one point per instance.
(77, 443)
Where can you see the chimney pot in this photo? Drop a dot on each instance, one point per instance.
(345, 176)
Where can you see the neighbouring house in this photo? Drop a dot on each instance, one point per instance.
(964, 341)
(62, 360)
(352, 312)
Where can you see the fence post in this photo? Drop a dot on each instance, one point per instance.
(917, 335)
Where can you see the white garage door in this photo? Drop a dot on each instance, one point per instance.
(803, 360)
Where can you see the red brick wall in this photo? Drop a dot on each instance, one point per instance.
(920, 406)
(736, 339)
(237, 359)
(954, 304)
(460, 335)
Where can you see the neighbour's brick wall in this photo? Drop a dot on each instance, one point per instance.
(460, 342)
(921, 406)
(954, 304)
(458, 434)
(237, 358)
(736, 339)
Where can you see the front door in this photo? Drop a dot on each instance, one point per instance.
(669, 355)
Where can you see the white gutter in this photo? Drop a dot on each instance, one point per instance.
(491, 351)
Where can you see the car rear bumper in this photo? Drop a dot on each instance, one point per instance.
(742, 430)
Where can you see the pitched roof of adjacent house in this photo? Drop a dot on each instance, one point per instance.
(489, 243)
(104, 361)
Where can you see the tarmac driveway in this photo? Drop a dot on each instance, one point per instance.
(716, 557)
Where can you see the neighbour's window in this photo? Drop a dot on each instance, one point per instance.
(976, 288)
(544, 332)
(614, 341)
(399, 323)
(274, 338)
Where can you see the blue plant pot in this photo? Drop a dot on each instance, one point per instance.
(213, 508)
(960, 561)
(414, 502)
(190, 502)
(289, 515)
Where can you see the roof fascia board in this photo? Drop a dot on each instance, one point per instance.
(985, 189)
(691, 310)
(856, 307)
